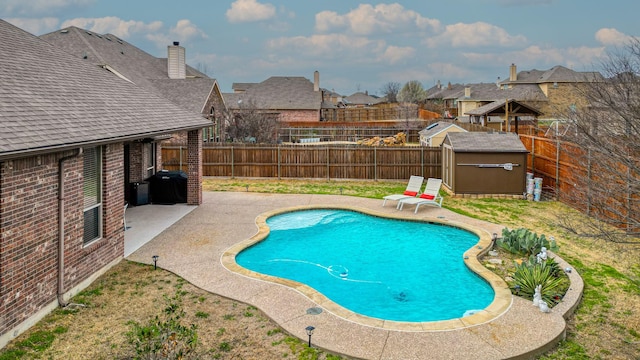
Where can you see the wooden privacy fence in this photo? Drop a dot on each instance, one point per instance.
(569, 174)
(312, 162)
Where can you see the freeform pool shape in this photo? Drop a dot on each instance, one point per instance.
(501, 302)
(378, 267)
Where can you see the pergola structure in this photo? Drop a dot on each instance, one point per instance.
(505, 109)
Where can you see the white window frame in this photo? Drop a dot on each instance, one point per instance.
(97, 206)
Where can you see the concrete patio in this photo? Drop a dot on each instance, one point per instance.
(191, 242)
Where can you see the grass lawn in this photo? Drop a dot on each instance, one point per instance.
(605, 326)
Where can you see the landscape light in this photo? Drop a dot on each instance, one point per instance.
(309, 330)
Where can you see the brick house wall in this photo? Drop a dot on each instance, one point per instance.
(29, 233)
(299, 115)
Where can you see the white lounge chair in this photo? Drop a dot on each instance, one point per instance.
(430, 196)
(413, 188)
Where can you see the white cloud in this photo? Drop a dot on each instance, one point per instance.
(612, 37)
(396, 54)
(31, 7)
(367, 19)
(186, 30)
(35, 26)
(479, 34)
(326, 45)
(113, 25)
(249, 10)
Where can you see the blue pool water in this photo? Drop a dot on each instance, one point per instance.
(378, 267)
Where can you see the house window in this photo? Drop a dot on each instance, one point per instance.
(92, 191)
(150, 152)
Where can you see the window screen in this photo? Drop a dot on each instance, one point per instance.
(92, 191)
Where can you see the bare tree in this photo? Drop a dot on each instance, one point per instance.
(249, 124)
(412, 92)
(390, 91)
(606, 183)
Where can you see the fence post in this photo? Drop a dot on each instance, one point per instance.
(422, 161)
(328, 165)
(589, 182)
(279, 161)
(180, 167)
(232, 173)
(375, 163)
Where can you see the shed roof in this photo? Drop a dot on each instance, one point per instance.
(485, 142)
(437, 128)
(51, 100)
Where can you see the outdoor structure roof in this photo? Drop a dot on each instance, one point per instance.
(277, 93)
(485, 142)
(516, 108)
(51, 100)
(138, 66)
(492, 92)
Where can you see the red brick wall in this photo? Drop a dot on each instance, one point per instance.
(194, 175)
(29, 230)
(299, 115)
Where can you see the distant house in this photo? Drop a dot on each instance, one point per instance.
(168, 77)
(559, 85)
(361, 99)
(286, 98)
(73, 135)
(434, 134)
(446, 98)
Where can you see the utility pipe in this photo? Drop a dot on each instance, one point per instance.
(61, 300)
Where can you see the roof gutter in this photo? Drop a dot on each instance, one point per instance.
(61, 300)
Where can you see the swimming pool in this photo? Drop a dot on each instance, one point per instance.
(383, 268)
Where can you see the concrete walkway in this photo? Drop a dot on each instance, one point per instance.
(193, 247)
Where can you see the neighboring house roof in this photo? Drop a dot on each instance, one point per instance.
(485, 142)
(361, 98)
(51, 100)
(437, 128)
(557, 74)
(241, 87)
(140, 67)
(491, 92)
(451, 91)
(490, 109)
(278, 93)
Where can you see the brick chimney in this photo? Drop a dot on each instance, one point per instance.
(316, 81)
(176, 67)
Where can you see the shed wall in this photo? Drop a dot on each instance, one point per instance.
(471, 179)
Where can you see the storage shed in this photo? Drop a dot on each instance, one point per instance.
(484, 163)
(433, 135)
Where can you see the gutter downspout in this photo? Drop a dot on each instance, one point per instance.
(61, 300)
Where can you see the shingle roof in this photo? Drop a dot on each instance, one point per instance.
(136, 65)
(485, 142)
(279, 93)
(491, 92)
(361, 98)
(52, 100)
(558, 73)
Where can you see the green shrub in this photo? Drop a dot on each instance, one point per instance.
(524, 242)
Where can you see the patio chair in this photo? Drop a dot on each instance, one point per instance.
(413, 187)
(430, 196)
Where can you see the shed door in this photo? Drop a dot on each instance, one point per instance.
(447, 166)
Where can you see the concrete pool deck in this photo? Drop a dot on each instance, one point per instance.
(194, 248)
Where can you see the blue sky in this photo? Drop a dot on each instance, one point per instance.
(355, 45)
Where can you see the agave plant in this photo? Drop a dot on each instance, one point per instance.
(525, 242)
(528, 276)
